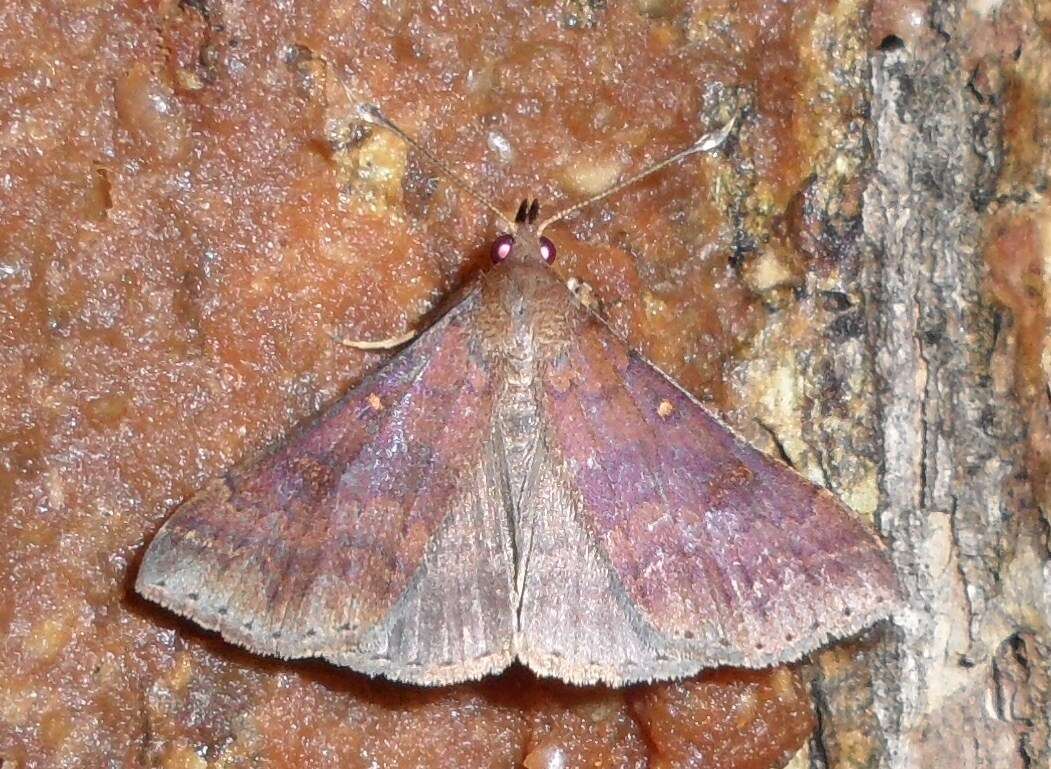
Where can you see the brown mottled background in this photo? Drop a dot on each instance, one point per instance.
(189, 213)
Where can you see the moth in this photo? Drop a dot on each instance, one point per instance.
(519, 484)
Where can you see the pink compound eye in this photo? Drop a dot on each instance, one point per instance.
(502, 248)
(547, 250)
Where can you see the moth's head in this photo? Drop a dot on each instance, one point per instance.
(524, 243)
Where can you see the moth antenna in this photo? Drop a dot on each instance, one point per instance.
(372, 114)
(709, 141)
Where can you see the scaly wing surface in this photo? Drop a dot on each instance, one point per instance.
(377, 537)
(663, 543)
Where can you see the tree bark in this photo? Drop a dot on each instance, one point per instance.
(962, 679)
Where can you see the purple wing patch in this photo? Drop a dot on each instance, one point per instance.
(303, 551)
(716, 544)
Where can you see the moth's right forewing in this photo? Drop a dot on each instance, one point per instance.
(373, 537)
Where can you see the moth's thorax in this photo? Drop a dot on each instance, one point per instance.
(524, 320)
(527, 312)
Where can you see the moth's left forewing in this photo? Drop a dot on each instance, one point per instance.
(696, 548)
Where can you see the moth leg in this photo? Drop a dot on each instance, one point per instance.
(379, 344)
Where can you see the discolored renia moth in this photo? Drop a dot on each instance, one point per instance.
(518, 484)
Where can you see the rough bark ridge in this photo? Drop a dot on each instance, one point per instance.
(964, 680)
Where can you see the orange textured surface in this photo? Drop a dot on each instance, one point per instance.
(1011, 54)
(188, 214)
